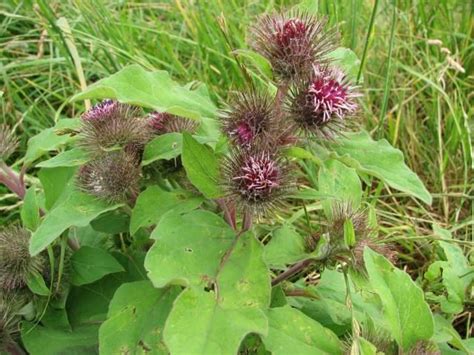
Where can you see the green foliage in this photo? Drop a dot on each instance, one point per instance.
(78, 209)
(408, 315)
(136, 319)
(202, 166)
(380, 159)
(91, 264)
(290, 331)
(177, 268)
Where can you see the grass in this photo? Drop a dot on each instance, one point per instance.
(417, 64)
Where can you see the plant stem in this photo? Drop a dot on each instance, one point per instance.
(228, 215)
(247, 221)
(292, 271)
(367, 39)
(14, 349)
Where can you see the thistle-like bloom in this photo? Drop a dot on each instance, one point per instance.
(256, 180)
(250, 119)
(9, 323)
(325, 103)
(292, 42)
(163, 122)
(112, 125)
(112, 177)
(16, 264)
(8, 142)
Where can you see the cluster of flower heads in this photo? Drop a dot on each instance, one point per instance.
(114, 134)
(314, 99)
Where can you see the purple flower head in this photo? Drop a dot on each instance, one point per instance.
(330, 94)
(256, 180)
(102, 111)
(250, 121)
(290, 30)
(112, 125)
(322, 104)
(292, 43)
(163, 122)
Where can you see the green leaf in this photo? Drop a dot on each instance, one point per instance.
(136, 319)
(223, 317)
(202, 166)
(134, 85)
(40, 340)
(292, 332)
(154, 202)
(77, 209)
(380, 159)
(55, 182)
(36, 284)
(347, 60)
(457, 274)
(285, 247)
(91, 264)
(199, 324)
(257, 60)
(406, 312)
(72, 157)
(30, 216)
(341, 183)
(188, 249)
(49, 140)
(166, 146)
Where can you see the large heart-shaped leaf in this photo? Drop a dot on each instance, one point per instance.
(232, 308)
(188, 249)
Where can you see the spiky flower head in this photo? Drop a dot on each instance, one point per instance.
(292, 42)
(256, 180)
(16, 264)
(250, 120)
(323, 104)
(112, 125)
(113, 177)
(424, 347)
(163, 122)
(8, 142)
(9, 322)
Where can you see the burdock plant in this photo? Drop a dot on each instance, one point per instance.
(16, 264)
(292, 42)
(112, 177)
(256, 180)
(163, 122)
(111, 125)
(323, 103)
